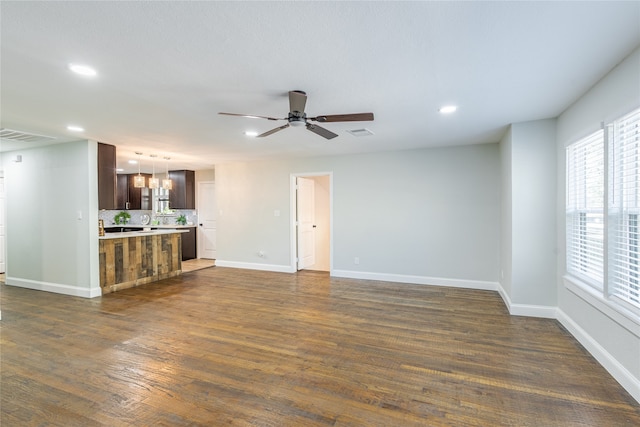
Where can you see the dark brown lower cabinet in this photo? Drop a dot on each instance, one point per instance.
(189, 244)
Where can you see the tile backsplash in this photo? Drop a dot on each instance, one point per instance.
(136, 215)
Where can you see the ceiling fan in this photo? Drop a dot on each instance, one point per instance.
(297, 117)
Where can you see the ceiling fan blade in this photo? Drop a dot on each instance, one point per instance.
(297, 101)
(251, 116)
(272, 131)
(356, 117)
(326, 133)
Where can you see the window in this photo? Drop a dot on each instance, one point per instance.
(585, 209)
(623, 209)
(603, 211)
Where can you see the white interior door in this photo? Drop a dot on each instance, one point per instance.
(207, 218)
(2, 231)
(305, 215)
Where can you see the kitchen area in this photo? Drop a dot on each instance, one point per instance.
(147, 223)
(57, 195)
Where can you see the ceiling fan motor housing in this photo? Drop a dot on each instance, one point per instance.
(297, 119)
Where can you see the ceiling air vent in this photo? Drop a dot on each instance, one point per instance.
(360, 132)
(16, 135)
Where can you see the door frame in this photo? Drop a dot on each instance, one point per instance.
(293, 198)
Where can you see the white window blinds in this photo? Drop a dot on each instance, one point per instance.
(585, 209)
(624, 208)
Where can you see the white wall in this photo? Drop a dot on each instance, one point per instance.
(2, 222)
(611, 338)
(533, 218)
(422, 216)
(533, 182)
(248, 194)
(205, 175)
(52, 217)
(506, 216)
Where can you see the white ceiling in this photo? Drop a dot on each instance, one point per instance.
(165, 69)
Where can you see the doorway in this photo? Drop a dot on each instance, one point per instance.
(312, 223)
(207, 220)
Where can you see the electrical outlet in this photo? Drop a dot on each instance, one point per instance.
(356, 260)
(261, 254)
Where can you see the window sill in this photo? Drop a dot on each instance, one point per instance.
(621, 315)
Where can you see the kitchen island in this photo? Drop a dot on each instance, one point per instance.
(132, 258)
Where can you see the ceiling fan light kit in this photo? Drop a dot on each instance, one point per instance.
(297, 121)
(298, 118)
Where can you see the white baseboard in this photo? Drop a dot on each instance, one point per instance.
(544, 311)
(57, 288)
(254, 266)
(417, 280)
(617, 371)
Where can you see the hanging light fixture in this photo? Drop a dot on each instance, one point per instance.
(166, 182)
(138, 180)
(153, 181)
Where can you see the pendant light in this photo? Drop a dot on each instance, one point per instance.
(166, 182)
(138, 180)
(153, 181)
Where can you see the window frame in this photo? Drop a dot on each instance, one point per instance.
(602, 295)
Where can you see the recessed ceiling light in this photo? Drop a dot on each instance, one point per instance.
(83, 70)
(119, 170)
(251, 133)
(73, 128)
(133, 162)
(447, 109)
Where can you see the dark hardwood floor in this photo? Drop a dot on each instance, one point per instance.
(224, 346)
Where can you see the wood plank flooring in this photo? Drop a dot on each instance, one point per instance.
(197, 264)
(224, 346)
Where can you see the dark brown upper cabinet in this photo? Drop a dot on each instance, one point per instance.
(122, 191)
(183, 192)
(130, 197)
(106, 176)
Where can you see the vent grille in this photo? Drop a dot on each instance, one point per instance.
(16, 135)
(360, 132)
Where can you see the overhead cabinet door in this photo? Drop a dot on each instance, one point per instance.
(183, 193)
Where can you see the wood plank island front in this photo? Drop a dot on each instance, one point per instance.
(137, 257)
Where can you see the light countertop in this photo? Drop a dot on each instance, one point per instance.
(142, 233)
(164, 226)
(170, 226)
